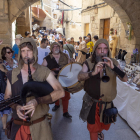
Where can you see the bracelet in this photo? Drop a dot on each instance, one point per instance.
(118, 71)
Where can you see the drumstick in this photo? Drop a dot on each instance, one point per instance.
(70, 67)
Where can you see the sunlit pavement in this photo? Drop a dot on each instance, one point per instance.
(76, 129)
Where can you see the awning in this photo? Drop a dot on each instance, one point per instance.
(42, 14)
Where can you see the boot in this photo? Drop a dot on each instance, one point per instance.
(55, 108)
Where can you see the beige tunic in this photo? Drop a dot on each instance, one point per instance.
(41, 130)
(82, 47)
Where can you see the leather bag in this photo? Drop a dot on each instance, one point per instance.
(109, 115)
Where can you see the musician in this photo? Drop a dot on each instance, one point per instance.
(98, 91)
(38, 128)
(55, 61)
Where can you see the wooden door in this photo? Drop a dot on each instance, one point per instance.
(86, 29)
(106, 29)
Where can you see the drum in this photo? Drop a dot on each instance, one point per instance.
(68, 77)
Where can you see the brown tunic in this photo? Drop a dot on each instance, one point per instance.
(41, 130)
(95, 88)
(51, 62)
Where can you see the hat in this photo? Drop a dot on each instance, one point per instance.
(27, 33)
(104, 41)
(18, 36)
(68, 39)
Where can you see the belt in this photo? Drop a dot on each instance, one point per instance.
(25, 123)
(56, 69)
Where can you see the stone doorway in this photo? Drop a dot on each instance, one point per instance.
(86, 29)
(106, 29)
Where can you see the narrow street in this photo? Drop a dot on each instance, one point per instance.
(76, 129)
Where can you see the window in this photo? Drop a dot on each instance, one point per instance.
(55, 16)
(57, 6)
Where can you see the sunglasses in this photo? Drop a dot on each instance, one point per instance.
(9, 52)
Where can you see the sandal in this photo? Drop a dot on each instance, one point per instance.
(101, 136)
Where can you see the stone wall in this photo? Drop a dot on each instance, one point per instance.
(95, 19)
(5, 27)
(72, 19)
(47, 21)
(23, 22)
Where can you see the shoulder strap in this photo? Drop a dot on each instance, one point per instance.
(91, 65)
(68, 48)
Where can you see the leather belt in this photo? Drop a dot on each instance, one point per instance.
(25, 123)
(56, 69)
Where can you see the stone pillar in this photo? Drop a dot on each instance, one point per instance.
(23, 22)
(5, 27)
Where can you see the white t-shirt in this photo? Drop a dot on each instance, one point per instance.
(66, 52)
(42, 53)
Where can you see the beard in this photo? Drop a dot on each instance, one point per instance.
(31, 60)
(99, 57)
(56, 51)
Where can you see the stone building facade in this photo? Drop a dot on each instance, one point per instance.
(72, 19)
(95, 18)
(127, 10)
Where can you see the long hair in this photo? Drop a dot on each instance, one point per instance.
(3, 52)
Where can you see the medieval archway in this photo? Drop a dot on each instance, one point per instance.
(128, 11)
(17, 7)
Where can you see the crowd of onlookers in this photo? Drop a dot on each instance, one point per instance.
(69, 46)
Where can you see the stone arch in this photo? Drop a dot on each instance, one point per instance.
(16, 7)
(128, 11)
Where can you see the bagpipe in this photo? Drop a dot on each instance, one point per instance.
(30, 88)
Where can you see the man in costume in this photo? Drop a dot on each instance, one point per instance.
(55, 61)
(82, 51)
(38, 127)
(97, 92)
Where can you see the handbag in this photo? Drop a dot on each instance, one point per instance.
(8, 129)
(86, 107)
(109, 115)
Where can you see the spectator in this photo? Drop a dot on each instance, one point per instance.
(76, 49)
(96, 38)
(43, 50)
(8, 63)
(69, 47)
(84, 38)
(15, 47)
(27, 34)
(63, 50)
(80, 39)
(90, 45)
(72, 41)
